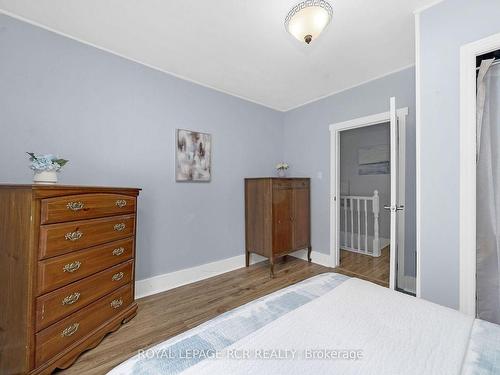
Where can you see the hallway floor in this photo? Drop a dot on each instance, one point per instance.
(370, 267)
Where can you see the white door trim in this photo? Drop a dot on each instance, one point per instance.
(402, 201)
(418, 172)
(468, 55)
(394, 142)
(335, 130)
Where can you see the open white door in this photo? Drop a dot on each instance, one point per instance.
(397, 119)
(396, 208)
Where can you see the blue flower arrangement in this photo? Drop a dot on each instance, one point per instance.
(40, 163)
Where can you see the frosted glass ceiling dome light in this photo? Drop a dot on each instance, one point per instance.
(308, 19)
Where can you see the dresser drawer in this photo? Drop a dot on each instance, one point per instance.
(301, 184)
(291, 183)
(85, 206)
(64, 301)
(58, 239)
(56, 272)
(61, 335)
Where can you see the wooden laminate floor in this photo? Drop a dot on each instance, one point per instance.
(167, 314)
(366, 266)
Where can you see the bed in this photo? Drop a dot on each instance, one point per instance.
(329, 324)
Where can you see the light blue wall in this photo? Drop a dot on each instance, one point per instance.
(115, 121)
(307, 146)
(444, 29)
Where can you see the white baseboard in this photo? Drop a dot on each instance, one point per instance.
(317, 257)
(167, 281)
(383, 242)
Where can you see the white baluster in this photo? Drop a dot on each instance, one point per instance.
(359, 227)
(352, 223)
(345, 222)
(376, 211)
(366, 226)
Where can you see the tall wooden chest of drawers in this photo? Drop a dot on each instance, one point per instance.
(66, 272)
(277, 217)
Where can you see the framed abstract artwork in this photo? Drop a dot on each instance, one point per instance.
(193, 156)
(374, 160)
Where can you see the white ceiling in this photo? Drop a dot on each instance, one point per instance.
(240, 46)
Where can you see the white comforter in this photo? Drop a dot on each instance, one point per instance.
(395, 333)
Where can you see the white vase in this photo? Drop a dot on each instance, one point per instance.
(281, 173)
(45, 177)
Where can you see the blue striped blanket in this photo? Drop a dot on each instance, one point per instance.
(205, 343)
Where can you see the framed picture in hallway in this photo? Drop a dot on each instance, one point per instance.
(374, 160)
(193, 156)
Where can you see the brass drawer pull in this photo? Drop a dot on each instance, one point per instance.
(121, 203)
(119, 227)
(118, 251)
(117, 276)
(71, 299)
(73, 236)
(70, 330)
(116, 303)
(75, 206)
(72, 267)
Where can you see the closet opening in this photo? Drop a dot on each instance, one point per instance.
(480, 179)
(488, 187)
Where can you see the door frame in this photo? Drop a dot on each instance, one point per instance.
(335, 130)
(468, 54)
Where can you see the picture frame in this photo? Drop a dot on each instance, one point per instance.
(193, 156)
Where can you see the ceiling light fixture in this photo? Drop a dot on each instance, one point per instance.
(307, 20)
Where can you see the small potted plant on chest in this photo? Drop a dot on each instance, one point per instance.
(45, 167)
(281, 168)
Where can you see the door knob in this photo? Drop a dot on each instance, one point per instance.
(394, 208)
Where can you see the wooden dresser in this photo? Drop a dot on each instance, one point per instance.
(277, 217)
(66, 272)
